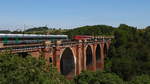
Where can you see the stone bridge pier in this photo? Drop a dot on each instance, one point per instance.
(72, 59)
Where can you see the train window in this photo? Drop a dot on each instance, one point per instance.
(17, 40)
(5, 39)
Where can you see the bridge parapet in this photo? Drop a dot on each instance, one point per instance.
(46, 44)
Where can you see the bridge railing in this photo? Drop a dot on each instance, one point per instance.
(54, 44)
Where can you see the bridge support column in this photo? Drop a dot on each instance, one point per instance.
(36, 54)
(94, 57)
(108, 44)
(83, 61)
(79, 58)
(57, 55)
(102, 56)
(47, 52)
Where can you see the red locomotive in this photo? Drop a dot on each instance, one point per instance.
(82, 37)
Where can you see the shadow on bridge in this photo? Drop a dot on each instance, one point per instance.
(89, 58)
(98, 57)
(67, 63)
(105, 50)
(23, 54)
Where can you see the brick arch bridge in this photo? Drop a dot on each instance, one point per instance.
(72, 58)
(69, 57)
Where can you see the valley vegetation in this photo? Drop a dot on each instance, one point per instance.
(128, 60)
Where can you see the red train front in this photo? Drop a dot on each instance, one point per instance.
(82, 37)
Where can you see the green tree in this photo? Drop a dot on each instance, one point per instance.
(95, 30)
(98, 77)
(143, 79)
(17, 70)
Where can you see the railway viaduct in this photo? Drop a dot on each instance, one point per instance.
(70, 57)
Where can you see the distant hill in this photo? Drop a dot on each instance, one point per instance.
(5, 31)
(44, 30)
(91, 30)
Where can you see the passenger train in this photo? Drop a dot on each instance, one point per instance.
(9, 39)
(29, 38)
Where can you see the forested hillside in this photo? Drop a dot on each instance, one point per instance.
(36, 30)
(128, 60)
(91, 30)
(129, 54)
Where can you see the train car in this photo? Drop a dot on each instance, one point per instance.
(29, 38)
(82, 37)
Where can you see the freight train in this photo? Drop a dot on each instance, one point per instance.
(8, 39)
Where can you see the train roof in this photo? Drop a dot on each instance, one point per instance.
(30, 35)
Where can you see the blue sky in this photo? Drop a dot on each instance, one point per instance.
(19, 14)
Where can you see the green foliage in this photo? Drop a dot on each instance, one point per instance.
(130, 52)
(91, 30)
(18, 70)
(124, 67)
(143, 79)
(128, 58)
(5, 31)
(36, 29)
(108, 65)
(98, 77)
(45, 30)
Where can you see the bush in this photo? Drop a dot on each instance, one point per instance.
(98, 77)
(143, 79)
(17, 70)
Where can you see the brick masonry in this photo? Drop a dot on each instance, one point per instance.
(77, 59)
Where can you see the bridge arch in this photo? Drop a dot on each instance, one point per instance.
(89, 58)
(67, 63)
(105, 49)
(23, 54)
(98, 57)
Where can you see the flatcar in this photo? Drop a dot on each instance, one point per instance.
(28, 38)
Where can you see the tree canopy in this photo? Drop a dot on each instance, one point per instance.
(127, 61)
(15, 69)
